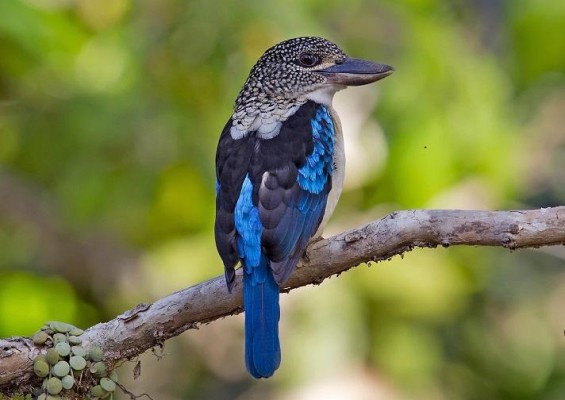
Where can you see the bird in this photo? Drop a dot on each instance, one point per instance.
(279, 173)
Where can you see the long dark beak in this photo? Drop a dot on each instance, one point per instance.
(355, 72)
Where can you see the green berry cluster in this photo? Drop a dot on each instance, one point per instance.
(66, 361)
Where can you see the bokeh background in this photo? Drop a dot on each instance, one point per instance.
(110, 111)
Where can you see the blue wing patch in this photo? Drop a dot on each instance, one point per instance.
(248, 226)
(318, 169)
(292, 200)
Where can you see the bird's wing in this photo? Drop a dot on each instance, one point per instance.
(295, 171)
(232, 163)
(287, 178)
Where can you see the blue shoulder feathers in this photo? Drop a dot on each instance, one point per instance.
(319, 165)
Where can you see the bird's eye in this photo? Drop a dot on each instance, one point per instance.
(308, 59)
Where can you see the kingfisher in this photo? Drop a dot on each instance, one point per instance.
(279, 173)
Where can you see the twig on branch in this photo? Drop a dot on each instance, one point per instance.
(149, 325)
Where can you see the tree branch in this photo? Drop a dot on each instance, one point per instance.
(149, 325)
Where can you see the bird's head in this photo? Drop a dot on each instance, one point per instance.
(310, 68)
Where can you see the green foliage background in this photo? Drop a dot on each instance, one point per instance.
(110, 111)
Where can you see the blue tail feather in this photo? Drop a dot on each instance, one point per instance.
(261, 305)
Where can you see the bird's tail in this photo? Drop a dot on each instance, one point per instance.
(261, 305)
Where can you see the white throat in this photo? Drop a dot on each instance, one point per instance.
(324, 94)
